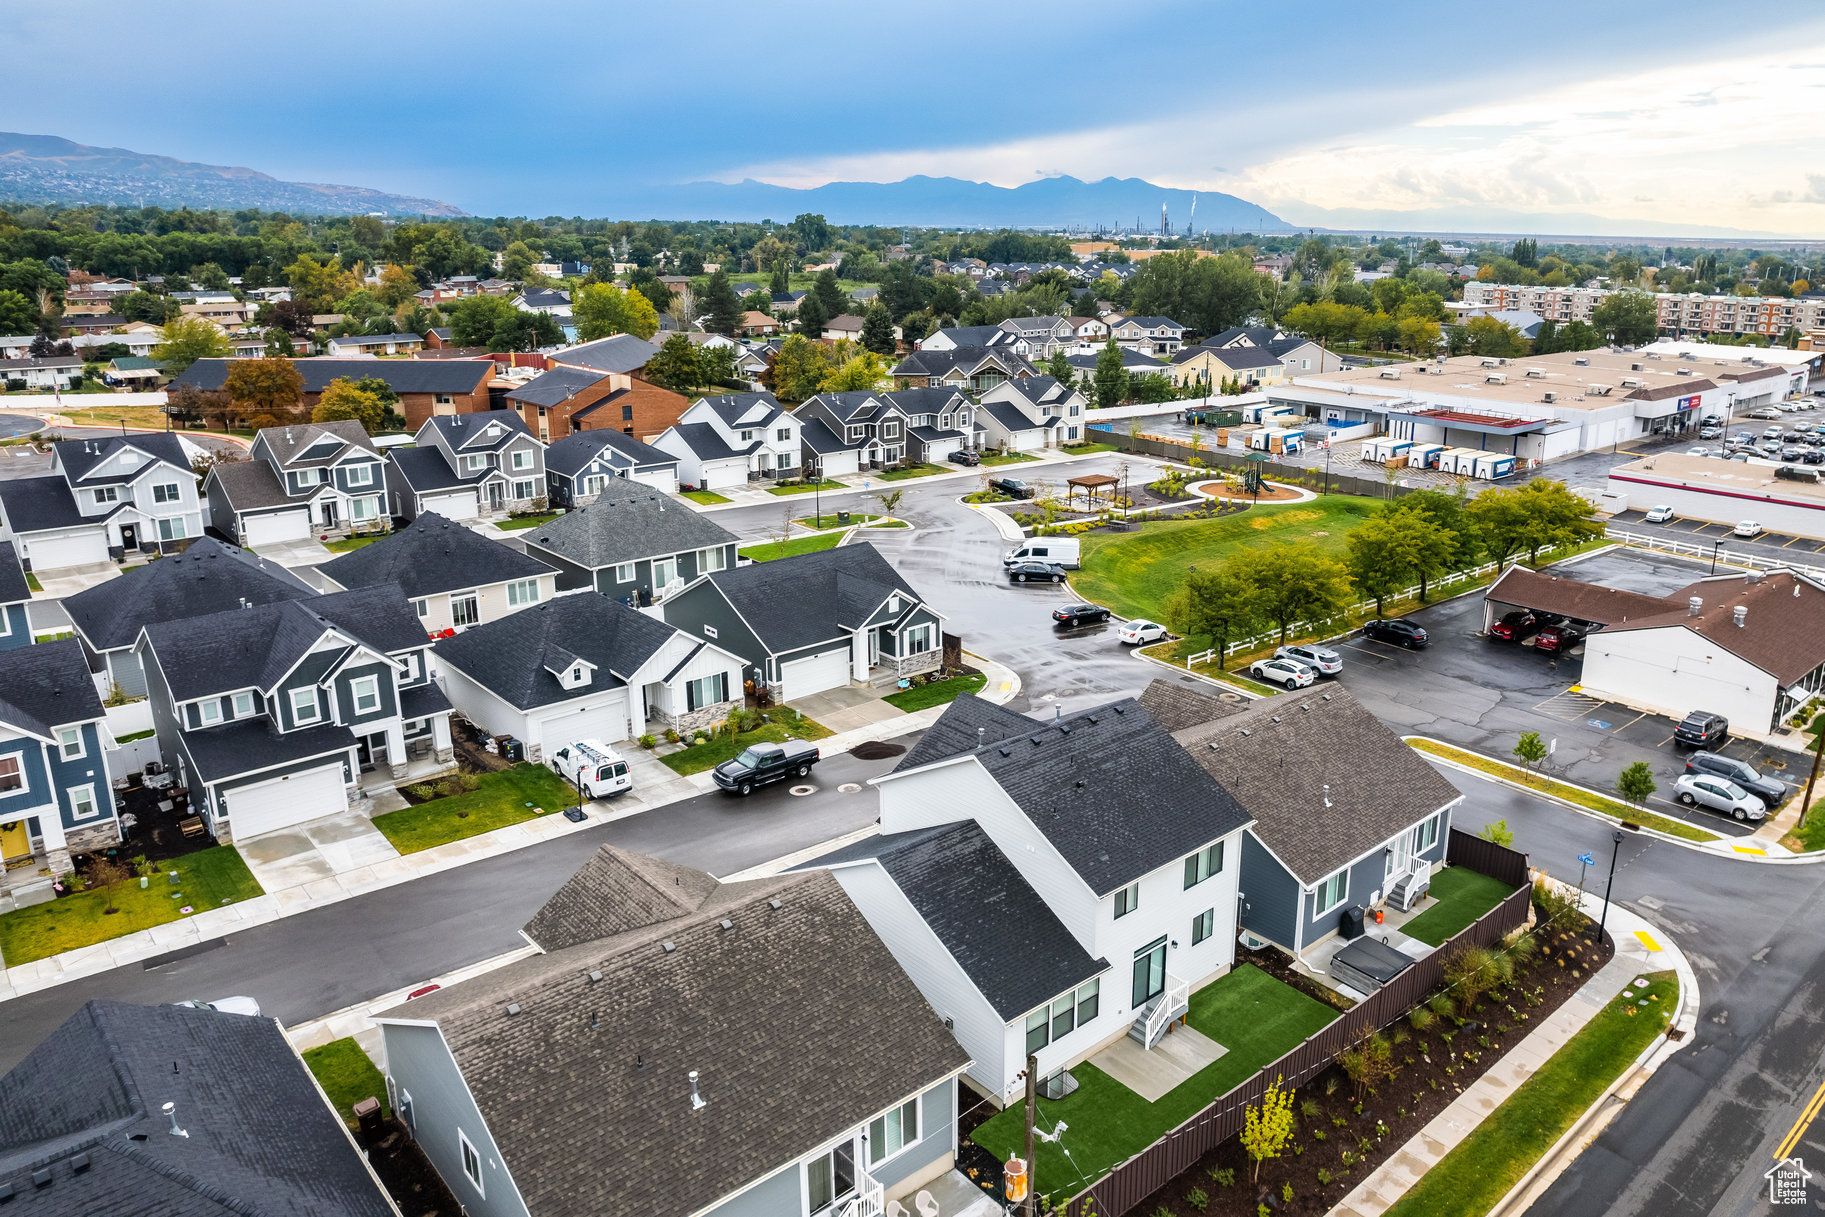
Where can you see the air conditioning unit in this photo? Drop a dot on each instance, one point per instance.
(1490, 362)
(1596, 390)
(1496, 378)
(1633, 382)
(1536, 373)
(1392, 373)
(1549, 396)
(1637, 367)
(1582, 362)
(1683, 371)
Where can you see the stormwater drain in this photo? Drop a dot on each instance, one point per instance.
(849, 788)
(799, 792)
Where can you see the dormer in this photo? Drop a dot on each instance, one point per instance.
(491, 434)
(571, 671)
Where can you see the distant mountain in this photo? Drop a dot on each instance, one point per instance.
(948, 202)
(47, 169)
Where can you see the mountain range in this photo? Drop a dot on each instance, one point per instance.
(49, 169)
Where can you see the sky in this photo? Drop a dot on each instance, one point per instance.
(1617, 116)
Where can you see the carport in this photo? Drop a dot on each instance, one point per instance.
(1583, 603)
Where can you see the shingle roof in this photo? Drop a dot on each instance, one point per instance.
(1571, 598)
(970, 335)
(751, 409)
(965, 721)
(402, 375)
(250, 745)
(969, 359)
(39, 504)
(1010, 417)
(615, 892)
(513, 657)
(572, 454)
(810, 598)
(430, 555)
(1237, 358)
(208, 577)
(616, 353)
(260, 1138)
(628, 520)
(1283, 757)
(557, 386)
(47, 686)
(426, 469)
(252, 485)
(1175, 706)
(1004, 937)
(470, 432)
(702, 439)
(13, 587)
(1783, 633)
(287, 444)
(78, 457)
(814, 434)
(752, 1007)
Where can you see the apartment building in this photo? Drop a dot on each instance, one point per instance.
(1681, 316)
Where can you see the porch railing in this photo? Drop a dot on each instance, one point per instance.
(867, 1200)
(1175, 1000)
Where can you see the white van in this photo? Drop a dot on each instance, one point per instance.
(594, 768)
(1060, 551)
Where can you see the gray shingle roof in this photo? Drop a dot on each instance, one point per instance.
(39, 504)
(556, 386)
(402, 375)
(1176, 706)
(79, 456)
(816, 435)
(469, 432)
(957, 730)
(260, 1138)
(703, 439)
(750, 409)
(289, 443)
(13, 587)
(616, 353)
(47, 686)
(253, 744)
(425, 469)
(1278, 756)
(1010, 417)
(572, 454)
(811, 598)
(430, 555)
(615, 892)
(627, 521)
(252, 486)
(208, 577)
(968, 359)
(513, 657)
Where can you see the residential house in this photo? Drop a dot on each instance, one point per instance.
(732, 439)
(633, 543)
(1209, 367)
(586, 668)
(270, 714)
(1037, 337)
(816, 621)
(1092, 841)
(939, 422)
(751, 364)
(426, 387)
(626, 1022)
(1032, 414)
(1088, 333)
(468, 466)
(454, 578)
(40, 372)
(1297, 355)
(845, 327)
(139, 339)
(603, 391)
(209, 577)
(1159, 336)
(852, 432)
(1083, 367)
(758, 325)
(55, 795)
(15, 600)
(172, 1109)
(373, 344)
(550, 301)
(299, 481)
(578, 466)
(784, 304)
(974, 369)
(104, 499)
(959, 337)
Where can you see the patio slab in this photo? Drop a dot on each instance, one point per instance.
(958, 1197)
(1180, 1054)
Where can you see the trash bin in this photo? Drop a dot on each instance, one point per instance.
(367, 1118)
(1351, 925)
(842, 517)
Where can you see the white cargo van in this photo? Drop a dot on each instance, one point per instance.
(593, 767)
(1060, 551)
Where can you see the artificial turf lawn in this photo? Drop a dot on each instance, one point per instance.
(350, 544)
(507, 796)
(518, 522)
(709, 498)
(937, 693)
(713, 752)
(347, 1076)
(790, 549)
(1256, 1017)
(207, 879)
(1463, 895)
(1134, 572)
(1492, 1159)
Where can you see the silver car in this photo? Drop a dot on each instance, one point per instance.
(1322, 660)
(1718, 794)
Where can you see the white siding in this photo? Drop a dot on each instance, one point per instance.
(480, 706)
(1674, 671)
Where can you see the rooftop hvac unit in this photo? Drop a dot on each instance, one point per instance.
(1683, 371)
(1491, 362)
(1596, 390)
(1633, 382)
(1637, 367)
(1535, 373)
(1549, 396)
(1582, 362)
(1391, 373)
(1496, 378)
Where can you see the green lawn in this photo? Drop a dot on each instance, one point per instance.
(347, 1076)
(1256, 1017)
(1491, 1160)
(790, 549)
(938, 693)
(709, 498)
(806, 487)
(507, 796)
(833, 521)
(207, 879)
(519, 522)
(1006, 458)
(917, 471)
(347, 544)
(31, 581)
(718, 749)
(1086, 449)
(1463, 895)
(890, 524)
(1134, 572)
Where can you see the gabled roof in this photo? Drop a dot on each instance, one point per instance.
(208, 577)
(514, 657)
(930, 400)
(858, 406)
(616, 353)
(971, 335)
(1010, 417)
(1151, 323)
(704, 440)
(252, 485)
(81, 458)
(557, 386)
(487, 431)
(811, 598)
(1580, 601)
(744, 409)
(259, 1137)
(615, 892)
(432, 554)
(40, 504)
(628, 520)
(13, 587)
(814, 434)
(47, 686)
(1040, 390)
(572, 454)
(1783, 630)
(402, 375)
(1237, 358)
(426, 469)
(315, 443)
(965, 721)
(1247, 335)
(253, 745)
(969, 360)
(1176, 706)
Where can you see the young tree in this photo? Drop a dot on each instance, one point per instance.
(188, 339)
(1219, 603)
(722, 306)
(890, 500)
(1369, 1062)
(1379, 558)
(1297, 581)
(1636, 783)
(1498, 832)
(1111, 380)
(1537, 515)
(1268, 1125)
(1530, 749)
(877, 330)
(601, 309)
(265, 386)
(341, 399)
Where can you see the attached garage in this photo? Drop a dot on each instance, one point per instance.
(276, 526)
(803, 677)
(269, 806)
(719, 475)
(602, 718)
(456, 505)
(78, 549)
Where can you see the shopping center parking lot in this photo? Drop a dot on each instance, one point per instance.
(1466, 690)
(1709, 535)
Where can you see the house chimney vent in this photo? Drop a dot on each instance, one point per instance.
(170, 1110)
(1693, 606)
(513, 1008)
(697, 1100)
(1741, 614)
(1327, 794)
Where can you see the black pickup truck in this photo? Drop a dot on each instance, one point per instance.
(764, 763)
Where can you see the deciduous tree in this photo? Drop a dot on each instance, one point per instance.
(1636, 783)
(265, 386)
(1218, 602)
(343, 399)
(675, 365)
(796, 370)
(861, 371)
(1267, 1126)
(186, 340)
(1530, 750)
(1297, 581)
(18, 315)
(601, 309)
(1629, 318)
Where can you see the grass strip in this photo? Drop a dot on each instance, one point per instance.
(506, 796)
(1463, 895)
(806, 488)
(937, 693)
(917, 471)
(832, 520)
(347, 1077)
(518, 522)
(709, 498)
(790, 549)
(719, 748)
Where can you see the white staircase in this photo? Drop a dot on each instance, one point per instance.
(1408, 885)
(1157, 1016)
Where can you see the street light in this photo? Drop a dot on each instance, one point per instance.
(1615, 848)
(1715, 546)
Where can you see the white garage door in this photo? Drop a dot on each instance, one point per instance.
(278, 526)
(283, 802)
(803, 677)
(50, 553)
(452, 506)
(605, 720)
(720, 474)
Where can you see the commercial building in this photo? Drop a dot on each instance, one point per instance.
(1706, 488)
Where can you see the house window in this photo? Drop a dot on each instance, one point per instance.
(304, 707)
(209, 712)
(1089, 1000)
(1039, 1029)
(107, 494)
(893, 1132)
(709, 631)
(525, 490)
(1064, 1016)
(1127, 900)
(422, 608)
(1203, 864)
(444, 399)
(1426, 835)
(706, 691)
(12, 774)
(711, 559)
(367, 694)
(69, 743)
(594, 483)
(361, 509)
(359, 475)
(408, 667)
(1203, 925)
(830, 1177)
(522, 591)
(522, 459)
(1331, 893)
(164, 492)
(171, 529)
(472, 1161)
(474, 461)
(918, 639)
(783, 435)
(243, 705)
(624, 572)
(82, 803)
(463, 610)
(627, 414)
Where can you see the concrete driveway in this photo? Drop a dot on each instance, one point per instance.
(848, 708)
(307, 552)
(321, 849)
(68, 580)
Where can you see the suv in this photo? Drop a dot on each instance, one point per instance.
(1558, 639)
(1322, 660)
(1080, 614)
(1400, 633)
(1012, 487)
(963, 456)
(1702, 729)
(1288, 672)
(1770, 790)
(1514, 626)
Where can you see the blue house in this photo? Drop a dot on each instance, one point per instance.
(55, 798)
(15, 594)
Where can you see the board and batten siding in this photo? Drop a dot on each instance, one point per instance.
(419, 1063)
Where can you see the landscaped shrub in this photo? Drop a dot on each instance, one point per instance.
(422, 792)
(648, 742)
(671, 735)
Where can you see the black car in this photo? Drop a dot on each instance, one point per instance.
(1012, 487)
(963, 456)
(1792, 453)
(1812, 456)
(1702, 729)
(1769, 790)
(759, 764)
(1401, 633)
(1036, 572)
(1080, 614)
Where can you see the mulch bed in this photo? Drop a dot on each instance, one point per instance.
(876, 750)
(1279, 965)
(407, 1174)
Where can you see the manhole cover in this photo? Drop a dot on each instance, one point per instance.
(876, 750)
(799, 792)
(849, 788)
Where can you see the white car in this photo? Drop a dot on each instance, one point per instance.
(1288, 672)
(1659, 515)
(1747, 528)
(1140, 630)
(594, 768)
(1322, 660)
(225, 1005)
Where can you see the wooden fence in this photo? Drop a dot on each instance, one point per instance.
(1139, 1177)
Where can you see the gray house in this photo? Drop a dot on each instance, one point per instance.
(468, 466)
(632, 543)
(816, 621)
(580, 465)
(652, 1060)
(299, 481)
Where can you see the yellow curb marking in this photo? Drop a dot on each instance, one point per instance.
(1647, 940)
(1745, 849)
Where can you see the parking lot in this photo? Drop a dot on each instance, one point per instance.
(1773, 546)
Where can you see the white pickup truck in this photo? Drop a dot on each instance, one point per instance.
(594, 768)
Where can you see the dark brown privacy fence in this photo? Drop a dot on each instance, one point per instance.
(1144, 1174)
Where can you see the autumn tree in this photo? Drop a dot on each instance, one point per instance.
(342, 399)
(860, 371)
(271, 386)
(601, 309)
(188, 339)
(796, 370)
(1267, 1126)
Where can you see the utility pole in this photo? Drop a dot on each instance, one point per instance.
(1027, 1206)
(1818, 747)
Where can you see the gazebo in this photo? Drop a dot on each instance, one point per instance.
(1092, 484)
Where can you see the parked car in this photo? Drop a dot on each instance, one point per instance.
(1770, 790)
(1080, 614)
(1060, 551)
(1514, 626)
(1718, 794)
(1748, 528)
(1140, 630)
(760, 764)
(1764, 412)
(1288, 672)
(1709, 432)
(1322, 660)
(1812, 456)
(225, 1005)
(1036, 572)
(594, 768)
(1702, 729)
(1698, 452)
(1792, 452)
(963, 456)
(1558, 639)
(1401, 632)
(1012, 487)
(1659, 514)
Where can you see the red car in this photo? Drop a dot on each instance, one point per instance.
(1513, 626)
(1558, 639)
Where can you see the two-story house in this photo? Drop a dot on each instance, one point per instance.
(852, 432)
(453, 577)
(1087, 333)
(1092, 840)
(271, 714)
(1038, 337)
(1159, 336)
(675, 1017)
(469, 466)
(730, 440)
(104, 499)
(578, 466)
(299, 481)
(632, 543)
(1031, 414)
(939, 422)
(55, 795)
(971, 368)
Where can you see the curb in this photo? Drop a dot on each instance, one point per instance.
(1209, 680)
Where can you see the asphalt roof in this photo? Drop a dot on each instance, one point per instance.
(616, 353)
(1783, 630)
(13, 587)
(1531, 589)
(471, 432)
(249, 745)
(557, 386)
(402, 375)
(252, 485)
(39, 504)
(432, 554)
(426, 469)
(615, 892)
(514, 657)
(811, 598)
(628, 520)
(47, 685)
(572, 454)
(964, 722)
(1175, 706)
(288, 444)
(208, 577)
(1010, 417)
(705, 441)
(750, 409)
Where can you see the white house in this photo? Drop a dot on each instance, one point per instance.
(1031, 414)
(104, 498)
(726, 441)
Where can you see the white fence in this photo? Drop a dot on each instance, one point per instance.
(1712, 550)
